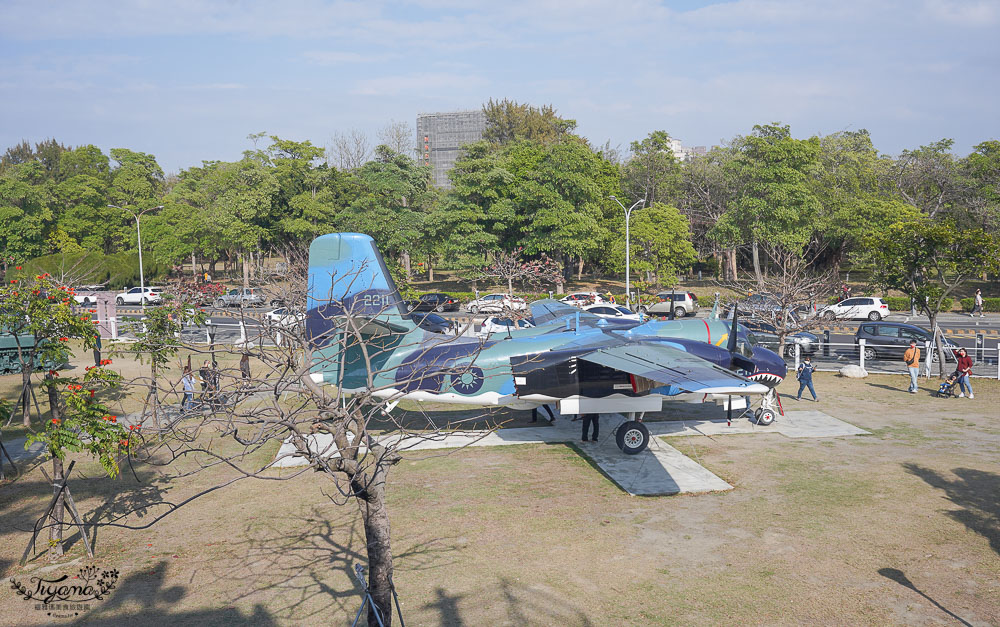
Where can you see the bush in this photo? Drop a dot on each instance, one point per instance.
(902, 303)
(989, 304)
(114, 271)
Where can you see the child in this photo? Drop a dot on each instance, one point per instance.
(947, 388)
(805, 376)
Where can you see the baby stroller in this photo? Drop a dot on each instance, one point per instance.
(947, 389)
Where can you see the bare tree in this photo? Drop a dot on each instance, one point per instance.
(350, 150)
(794, 289)
(398, 136)
(510, 267)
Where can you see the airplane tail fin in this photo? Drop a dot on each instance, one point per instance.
(348, 280)
(714, 314)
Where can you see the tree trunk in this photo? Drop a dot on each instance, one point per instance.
(579, 269)
(26, 369)
(430, 270)
(405, 258)
(756, 266)
(246, 272)
(731, 265)
(194, 265)
(510, 286)
(371, 502)
(58, 512)
(153, 393)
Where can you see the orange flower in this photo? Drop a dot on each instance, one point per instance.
(13, 281)
(63, 339)
(124, 442)
(114, 419)
(55, 421)
(18, 267)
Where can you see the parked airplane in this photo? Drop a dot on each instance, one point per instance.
(362, 342)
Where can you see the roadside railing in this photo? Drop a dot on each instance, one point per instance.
(889, 358)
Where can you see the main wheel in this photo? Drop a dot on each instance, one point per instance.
(790, 351)
(680, 312)
(830, 315)
(473, 309)
(874, 316)
(632, 437)
(764, 417)
(439, 308)
(870, 353)
(119, 301)
(145, 301)
(219, 304)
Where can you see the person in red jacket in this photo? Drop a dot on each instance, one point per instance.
(965, 373)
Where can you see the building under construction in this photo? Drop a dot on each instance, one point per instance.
(440, 137)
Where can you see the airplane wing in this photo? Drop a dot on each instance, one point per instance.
(548, 309)
(671, 367)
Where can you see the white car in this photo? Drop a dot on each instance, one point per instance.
(87, 295)
(867, 307)
(581, 299)
(140, 296)
(496, 324)
(614, 312)
(495, 303)
(284, 317)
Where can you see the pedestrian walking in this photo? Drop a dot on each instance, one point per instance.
(187, 382)
(589, 419)
(205, 374)
(977, 307)
(912, 359)
(805, 376)
(965, 373)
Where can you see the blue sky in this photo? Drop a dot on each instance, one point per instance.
(189, 80)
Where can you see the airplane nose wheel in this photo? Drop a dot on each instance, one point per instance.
(632, 437)
(763, 417)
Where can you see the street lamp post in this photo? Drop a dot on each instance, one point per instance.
(138, 235)
(628, 273)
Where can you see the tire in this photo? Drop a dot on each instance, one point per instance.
(764, 417)
(439, 308)
(790, 351)
(874, 316)
(680, 312)
(119, 301)
(632, 437)
(219, 304)
(86, 302)
(870, 353)
(829, 316)
(644, 310)
(145, 301)
(473, 309)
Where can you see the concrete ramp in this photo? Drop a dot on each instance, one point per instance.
(659, 470)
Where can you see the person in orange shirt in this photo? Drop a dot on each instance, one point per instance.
(912, 359)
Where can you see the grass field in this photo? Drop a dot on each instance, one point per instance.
(899, 527)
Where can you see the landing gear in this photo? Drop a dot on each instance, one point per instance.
(632, 437)
(770, 405)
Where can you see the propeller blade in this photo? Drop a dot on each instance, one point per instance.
(733, 329)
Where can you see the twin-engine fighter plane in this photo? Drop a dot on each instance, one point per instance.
(362, 343)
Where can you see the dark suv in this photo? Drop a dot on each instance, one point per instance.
(766, 335)
(889, 340)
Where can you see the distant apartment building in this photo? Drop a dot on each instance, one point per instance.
(683, 153)
(440, 137)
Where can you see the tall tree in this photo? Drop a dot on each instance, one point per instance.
(507, 121)
(653, 172)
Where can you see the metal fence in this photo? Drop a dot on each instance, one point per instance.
(834, 356)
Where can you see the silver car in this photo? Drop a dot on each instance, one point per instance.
(684, 303)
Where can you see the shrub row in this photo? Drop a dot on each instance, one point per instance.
(989, 304)
(116, 271)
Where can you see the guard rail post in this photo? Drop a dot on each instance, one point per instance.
(998, 361)
(928, 358)
(208, 332)
(114, 327)
(861, 351)
(798, 355)
(980, 347)
(243, 331)
(826, 343)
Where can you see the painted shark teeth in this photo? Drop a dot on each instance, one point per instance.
(766, 378)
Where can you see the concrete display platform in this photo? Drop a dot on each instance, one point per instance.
(658, 470)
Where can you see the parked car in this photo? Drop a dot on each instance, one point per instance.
(581, 299)
(284, 317)
(431, 322)
(613, 312)
(242, 297)
(495, 303)
(434, 302)
(766, 335)
(139, 295)
(854, 308)
(497, 324)
(87, 294)
(889, 340)
(684, 303)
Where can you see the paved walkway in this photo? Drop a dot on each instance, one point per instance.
(658, 470)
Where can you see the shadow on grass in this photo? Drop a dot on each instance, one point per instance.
(142, 598)
(975, 492)
(528, 605)
(304, 562)
(900, 577)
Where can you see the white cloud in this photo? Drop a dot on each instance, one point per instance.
(417, 85)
